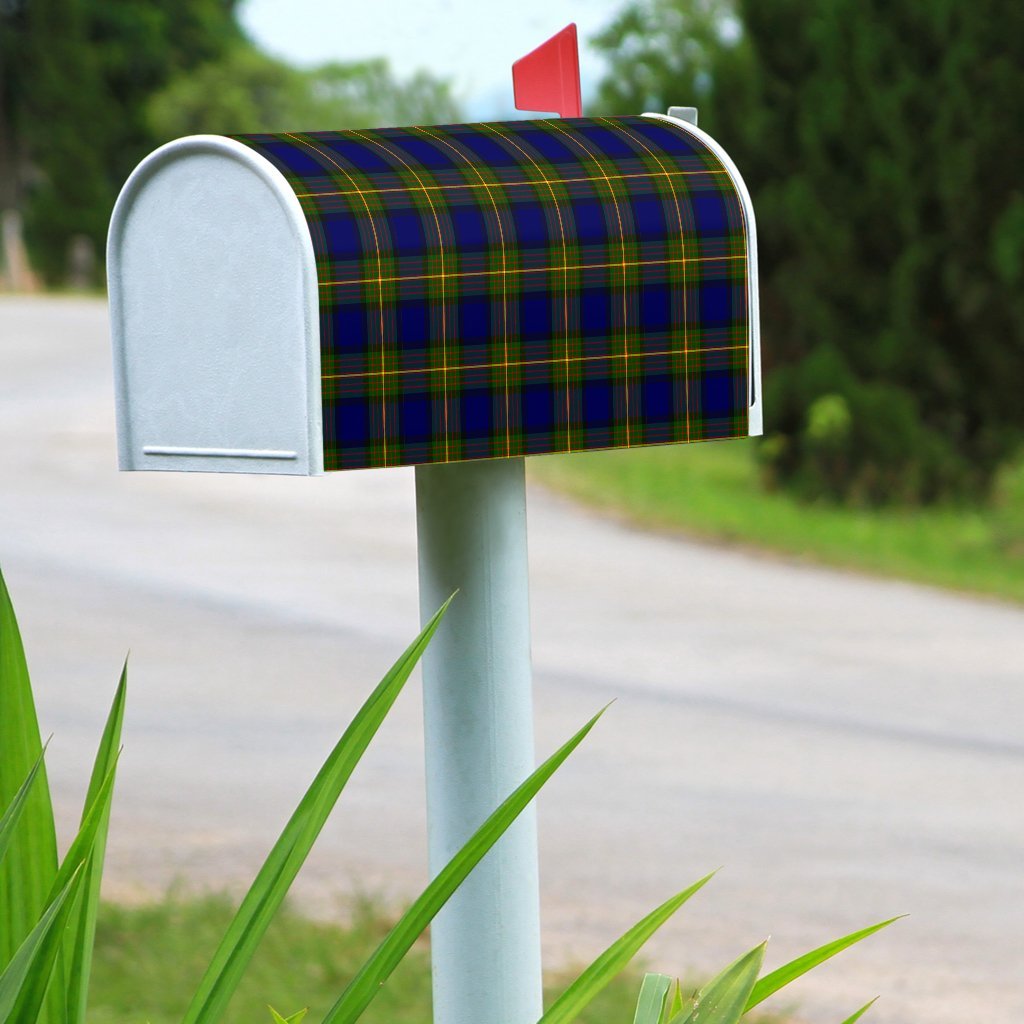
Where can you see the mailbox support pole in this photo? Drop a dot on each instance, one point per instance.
(478, 720)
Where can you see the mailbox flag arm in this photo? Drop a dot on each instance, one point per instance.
(548, 78)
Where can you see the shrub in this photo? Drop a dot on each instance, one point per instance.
(839, 437)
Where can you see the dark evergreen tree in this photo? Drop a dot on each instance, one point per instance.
(880, 141)
(75, 79)
(64, 133)
(88, 87)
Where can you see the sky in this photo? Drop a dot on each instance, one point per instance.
(471, 42)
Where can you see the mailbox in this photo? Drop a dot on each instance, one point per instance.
(295, 303)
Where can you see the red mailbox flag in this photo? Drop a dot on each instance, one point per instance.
(548, 78)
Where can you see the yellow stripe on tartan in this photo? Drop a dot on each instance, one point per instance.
(682, 241)
(458, 275)
(650, 167)
(622, 240)
(504, 276)
(380, 276)
(506, 184)
(442, 277)
(565, 278)
(527, 362)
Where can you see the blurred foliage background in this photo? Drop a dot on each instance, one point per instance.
(875, 138)
(880, 139)
(89, 87)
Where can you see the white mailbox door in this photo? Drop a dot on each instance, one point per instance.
(213, 294)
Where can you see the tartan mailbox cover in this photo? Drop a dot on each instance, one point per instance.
(296, 303)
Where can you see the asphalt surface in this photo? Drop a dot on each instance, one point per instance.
(845, 748)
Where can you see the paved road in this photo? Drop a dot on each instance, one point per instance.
(846, 748)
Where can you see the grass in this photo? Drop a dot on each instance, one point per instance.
(712, 491)
(149, 958)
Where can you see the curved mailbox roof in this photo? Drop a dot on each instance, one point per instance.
(481, 291)
(492, 290)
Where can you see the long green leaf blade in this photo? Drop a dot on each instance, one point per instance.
(73, 866)
(675, 1006)
(651, 1003)
(572, 1001)
(13, 813)
(372, 975)
(82, 930)
(853, 1018)
(28, 870)
(84, 843)
(723, 1000)
(782, 976)
(26, 976)
(282, 864)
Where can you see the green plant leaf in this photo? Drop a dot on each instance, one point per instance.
(853, 1018)
(295, 1018)
(675, 1006)
(30, 866)
(782, 976)
(82, 929)
(17, 805)
(651, 1003)
(73, 866)
(569, 1004)
(723, 1000)
(372, 975)
(25, 979)
(272, 883)
(84, 843)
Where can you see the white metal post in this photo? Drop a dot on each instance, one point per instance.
(478, 720)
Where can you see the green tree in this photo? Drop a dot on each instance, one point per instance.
(249, 91)
(665, 52)
(62, 130)
(88, 87)
(75, 79)
(874, 137)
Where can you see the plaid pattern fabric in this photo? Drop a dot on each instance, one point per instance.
(505, 289)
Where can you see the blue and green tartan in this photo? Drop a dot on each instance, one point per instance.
(505, 289)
